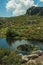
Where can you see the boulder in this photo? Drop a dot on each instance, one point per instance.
(24, 59)
(39, 52)
(32, 56)
(28, 57)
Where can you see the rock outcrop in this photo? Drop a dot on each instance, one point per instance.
(34, 56)
(35, 11)
(39, 52)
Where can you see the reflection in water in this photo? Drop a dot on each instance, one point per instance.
(17, 43)
(4, 44)
(40, 44)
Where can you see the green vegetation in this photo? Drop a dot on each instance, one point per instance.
(27, 26)
(11, 36)
(29, 48)
(8, 57)
(17, 28)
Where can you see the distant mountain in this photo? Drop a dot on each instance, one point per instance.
(35, 11)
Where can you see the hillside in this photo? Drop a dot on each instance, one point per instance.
(35, 11)
(29, 27)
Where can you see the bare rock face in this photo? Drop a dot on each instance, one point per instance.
(35, 11)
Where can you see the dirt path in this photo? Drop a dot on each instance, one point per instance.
(40, 58)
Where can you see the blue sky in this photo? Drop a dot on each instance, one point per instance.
(16, 7)
(3, 11)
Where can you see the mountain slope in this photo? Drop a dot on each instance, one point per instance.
(28, 26)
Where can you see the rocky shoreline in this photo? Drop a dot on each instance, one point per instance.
(34, 55)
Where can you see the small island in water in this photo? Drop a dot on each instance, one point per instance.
(21, 38)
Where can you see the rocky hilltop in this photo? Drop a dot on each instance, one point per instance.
(35, 11)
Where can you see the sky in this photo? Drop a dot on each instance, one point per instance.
(9, 8)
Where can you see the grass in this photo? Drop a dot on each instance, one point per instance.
(8, 57)
(29, 27)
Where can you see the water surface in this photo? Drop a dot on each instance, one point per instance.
(4, 44)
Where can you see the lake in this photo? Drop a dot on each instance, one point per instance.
(4, 44)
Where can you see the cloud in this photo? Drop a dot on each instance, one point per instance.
(41, 0)
(19, 7)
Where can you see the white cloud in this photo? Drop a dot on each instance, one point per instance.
(19, 7)
(41, 0)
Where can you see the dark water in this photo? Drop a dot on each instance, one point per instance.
(4, 44)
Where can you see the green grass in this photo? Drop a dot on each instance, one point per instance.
(22, 25)
(8, 57)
